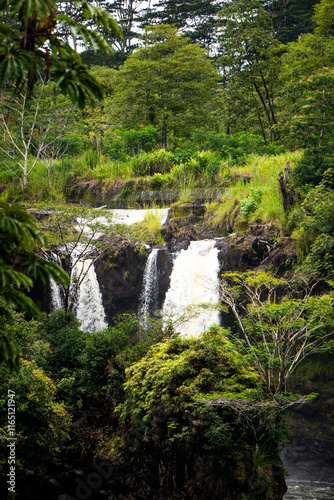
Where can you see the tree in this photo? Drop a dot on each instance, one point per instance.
(250, 61)
(29, 131)
(42, 423)
(34, 40)
(20, 236)
(164, 406)
(168, 83)
(291, 18)
(324, 17)
(277, 333)
(307, 103)
(72, 247)
(196, 19)
(126, 12)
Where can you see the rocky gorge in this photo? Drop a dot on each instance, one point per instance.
(120, 269)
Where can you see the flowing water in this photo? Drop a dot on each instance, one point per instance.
(89, 307)
(194, 281)
(84, 289)
(57, 301)
(56, 298)
(121, 216)
(300, 490)
(150, 293)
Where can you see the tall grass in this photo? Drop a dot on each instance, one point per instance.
(258, 173)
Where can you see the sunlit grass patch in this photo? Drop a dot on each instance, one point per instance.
(254, 195)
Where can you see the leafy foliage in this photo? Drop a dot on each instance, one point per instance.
(315, 240)
(19, 234)
(35, 45)
(42, 423)
(277, 333)
(175, 371)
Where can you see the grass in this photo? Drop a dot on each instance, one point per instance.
(258, 173)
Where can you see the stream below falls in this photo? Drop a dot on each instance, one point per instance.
(302, 490)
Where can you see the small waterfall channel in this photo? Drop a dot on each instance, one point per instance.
(89, 307)
(84, 289)
(57, 300)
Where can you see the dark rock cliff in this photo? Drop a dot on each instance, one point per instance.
(119, 272)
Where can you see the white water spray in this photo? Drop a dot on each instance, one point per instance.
(194, 281)
(89, 307)
(150, 294)
(57, 301)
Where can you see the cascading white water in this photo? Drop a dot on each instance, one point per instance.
(89, 307)
(56, 298)
(57, 301)
(194, 281)
(150, 293)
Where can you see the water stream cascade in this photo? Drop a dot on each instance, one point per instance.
(150, 293)
(194, 281)
(57, 301)
(89, 307)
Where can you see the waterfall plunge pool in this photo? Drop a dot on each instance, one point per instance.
(302, 490)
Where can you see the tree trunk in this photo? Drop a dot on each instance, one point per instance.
(164, 135)
(282, 184)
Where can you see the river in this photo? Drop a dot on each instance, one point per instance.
(302, 490)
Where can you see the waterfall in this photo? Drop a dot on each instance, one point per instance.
(89, 307)
(56, 298)
(57, 301)
(194, 281)
(150, 294)
(84, 289)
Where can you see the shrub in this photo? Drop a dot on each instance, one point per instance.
(131, 142)
(156, 162)
(158, 181)
(252, 202)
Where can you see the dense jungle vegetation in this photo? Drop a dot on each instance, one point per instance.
(224, 103)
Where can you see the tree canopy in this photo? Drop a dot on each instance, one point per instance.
(169, 83)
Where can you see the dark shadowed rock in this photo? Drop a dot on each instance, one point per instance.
(165, 266)
(120, 272)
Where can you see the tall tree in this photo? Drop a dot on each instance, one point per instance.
(126, 12)
(324, 17)
(291, 18)
(169, 83)
(277, 334)
(196, 19)
(307, 101)
(29, 131)
(250, 61)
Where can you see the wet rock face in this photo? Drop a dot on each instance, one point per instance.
(120, 272)
(181, 231)
(165, 266)
(241, 253)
